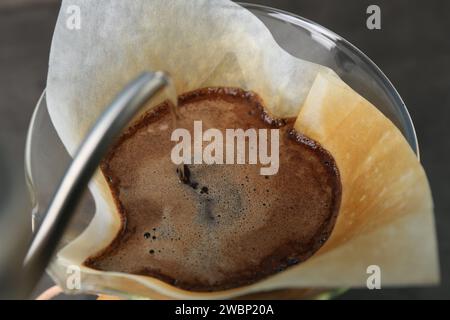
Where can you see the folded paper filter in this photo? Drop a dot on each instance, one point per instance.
(386, 213)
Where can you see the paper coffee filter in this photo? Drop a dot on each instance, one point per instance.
(199, 43)
(386, 212)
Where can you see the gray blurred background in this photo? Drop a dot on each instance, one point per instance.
(412, 48)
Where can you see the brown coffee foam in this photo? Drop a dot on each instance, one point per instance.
(245, 227)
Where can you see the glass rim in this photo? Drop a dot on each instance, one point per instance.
(334, 37)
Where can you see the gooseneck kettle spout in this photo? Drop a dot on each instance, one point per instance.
(84, 164)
